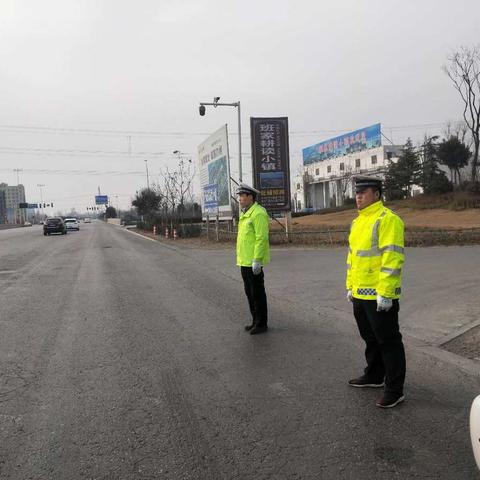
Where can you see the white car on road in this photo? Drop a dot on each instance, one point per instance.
(72, 224)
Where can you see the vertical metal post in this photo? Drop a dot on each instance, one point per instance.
(217, 235)
(208, 227)
(288, 225)
(240, 173)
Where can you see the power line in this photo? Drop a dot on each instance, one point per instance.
(153, 133)
(78, 152)
(75, 172)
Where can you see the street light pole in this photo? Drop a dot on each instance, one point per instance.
(40, 186)
(17, 171)
(216, 104)
(148, 181)
(239, 144)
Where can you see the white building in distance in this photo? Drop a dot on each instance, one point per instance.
(328, 167)
(13, 195)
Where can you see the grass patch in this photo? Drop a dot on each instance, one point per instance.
(447, 201)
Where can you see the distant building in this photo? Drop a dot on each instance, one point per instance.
(13, 196)
(3, 208)
(328, 167)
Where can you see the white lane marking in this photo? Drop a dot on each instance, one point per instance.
(140, 235)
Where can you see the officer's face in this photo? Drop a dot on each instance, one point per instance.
(245, 200)
(366, 197)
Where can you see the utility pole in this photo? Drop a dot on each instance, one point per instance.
(148, 180)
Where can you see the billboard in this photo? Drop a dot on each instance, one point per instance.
(363, 139)
(101, 199)
(271, 161)
(214, 169)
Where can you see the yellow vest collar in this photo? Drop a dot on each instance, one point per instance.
(371, 209)
(250, 210)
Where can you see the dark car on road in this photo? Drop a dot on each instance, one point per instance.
(54, 225)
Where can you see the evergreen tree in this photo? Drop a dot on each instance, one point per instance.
(431, 178)
(403, 174)
(146, 201)
(111, 212)
(454, 154)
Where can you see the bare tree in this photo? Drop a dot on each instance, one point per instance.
(464, 72)
(457, 129)
(176, 190)
(182, 181)
(346, 180)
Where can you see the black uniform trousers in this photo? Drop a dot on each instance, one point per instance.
(384, 351)
(257, 298)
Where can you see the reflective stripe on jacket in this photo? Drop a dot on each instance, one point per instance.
(252, 238)
(376, 254)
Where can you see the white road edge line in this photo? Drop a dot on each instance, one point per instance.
(138, 234)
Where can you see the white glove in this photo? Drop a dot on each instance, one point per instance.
(256, 267)
(349, 296)
(383, 304)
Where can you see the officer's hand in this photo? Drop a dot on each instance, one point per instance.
(349, 296)
(383, 304)
(256, 267)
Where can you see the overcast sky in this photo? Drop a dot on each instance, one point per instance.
(142, 66)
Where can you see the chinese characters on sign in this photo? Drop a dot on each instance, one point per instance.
(210, 199)
(271, 162)
(369, 137)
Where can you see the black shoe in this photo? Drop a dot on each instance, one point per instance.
(364, 382)
(249, 327)
(258, 329)
(390, 400)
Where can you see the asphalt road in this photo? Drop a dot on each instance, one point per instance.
(122, 358)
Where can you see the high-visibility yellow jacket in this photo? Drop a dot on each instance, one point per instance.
(376, 254)
(252, 238)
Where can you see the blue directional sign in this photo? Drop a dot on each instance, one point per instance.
(32, 205)
(210, 199)
(101, 199)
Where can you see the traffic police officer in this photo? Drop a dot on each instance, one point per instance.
(374, 273)
(253, 252)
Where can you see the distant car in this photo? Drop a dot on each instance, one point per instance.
(87, 220)
(72, 224)
(27, 224)
(54, 225)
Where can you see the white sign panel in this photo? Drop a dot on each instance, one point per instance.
(215, 170)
